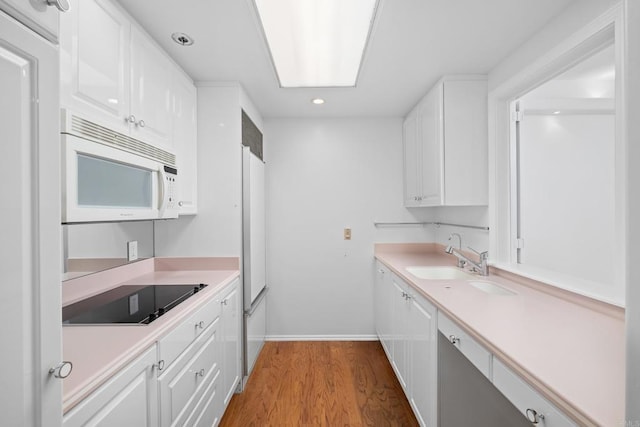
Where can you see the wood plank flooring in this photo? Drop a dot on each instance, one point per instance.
(321, 384)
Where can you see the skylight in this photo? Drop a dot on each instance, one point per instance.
(317, 43)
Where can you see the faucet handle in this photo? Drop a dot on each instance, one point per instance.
(482, 255)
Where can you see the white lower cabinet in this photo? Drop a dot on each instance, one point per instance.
(185, 381)
(187, 378)
(423, 360)
(382, 297)
(128, 399)
(230, 319)
(532, 405)
(406, 326)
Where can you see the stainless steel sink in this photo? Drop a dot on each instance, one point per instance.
(490, 287)
(439, 273)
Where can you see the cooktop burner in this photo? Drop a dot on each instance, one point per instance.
(129, 304)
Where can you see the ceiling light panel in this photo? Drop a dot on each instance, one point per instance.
(317, 43)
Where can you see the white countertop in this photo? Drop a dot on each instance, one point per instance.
(570, 349)
(98, 352)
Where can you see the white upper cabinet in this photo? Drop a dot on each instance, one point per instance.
(150, 116)
(185, 140)
(95, 64)
(116, 77)
(445, 145)
(412, 174)
(37, 15)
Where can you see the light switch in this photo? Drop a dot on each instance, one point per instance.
(347, 234)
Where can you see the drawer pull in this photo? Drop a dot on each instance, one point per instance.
(454, 339)
(199, 373)
(159, 365)
(533, 416)
(224, 302)
(200, 325)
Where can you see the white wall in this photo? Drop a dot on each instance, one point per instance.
(468, 215)
(322, 176)
(633, 212)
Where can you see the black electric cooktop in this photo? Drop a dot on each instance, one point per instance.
(129, 304)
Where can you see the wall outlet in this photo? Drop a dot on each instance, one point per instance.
(132, 250)
(347, 234)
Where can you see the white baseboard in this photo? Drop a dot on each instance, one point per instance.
(321, 338)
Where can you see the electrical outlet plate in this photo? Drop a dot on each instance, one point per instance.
(132, 250)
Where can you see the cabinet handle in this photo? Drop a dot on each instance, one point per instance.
(62, 370)
(408, 296)
(199, 373)
(141, 123)
(131, 119)
(381, 271)
(533, 416)
(61, 5)
(224, 301)
(180, 203)
(159, 365)
(454, 339)
(200, 325)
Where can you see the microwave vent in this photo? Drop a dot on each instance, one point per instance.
(87, 129)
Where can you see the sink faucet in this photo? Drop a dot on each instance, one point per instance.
(449, 250)
(478, 267)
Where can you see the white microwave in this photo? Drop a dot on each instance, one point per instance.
(107, 176)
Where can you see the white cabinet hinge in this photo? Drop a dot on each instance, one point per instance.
(517, 116)
(519, 243)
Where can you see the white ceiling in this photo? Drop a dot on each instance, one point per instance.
(414, 43)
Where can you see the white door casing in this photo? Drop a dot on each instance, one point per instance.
(30, 318)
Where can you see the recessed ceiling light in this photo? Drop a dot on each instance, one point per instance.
(556, 112)
(318, 101)
(317, 43)
(182, 39)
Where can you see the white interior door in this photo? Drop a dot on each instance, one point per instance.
(30, 313)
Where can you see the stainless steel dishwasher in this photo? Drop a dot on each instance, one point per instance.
(466, 397)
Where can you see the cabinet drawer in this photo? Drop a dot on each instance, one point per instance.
(183, 383)
(478, 355)
(176, 341)
(526, 399)
(208, 411)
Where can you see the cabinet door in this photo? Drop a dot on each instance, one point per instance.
(430, 145)
(94, 65)
(127, 399)
(37, 15)
(185, 141)
(399, 332)
(383, 308)
(230, 318)
(150, 92)
(423, 334)
(412, 189)
(465, 148)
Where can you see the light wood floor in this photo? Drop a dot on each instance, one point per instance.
(321, 384)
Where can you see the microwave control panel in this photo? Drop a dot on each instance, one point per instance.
(171, 176)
